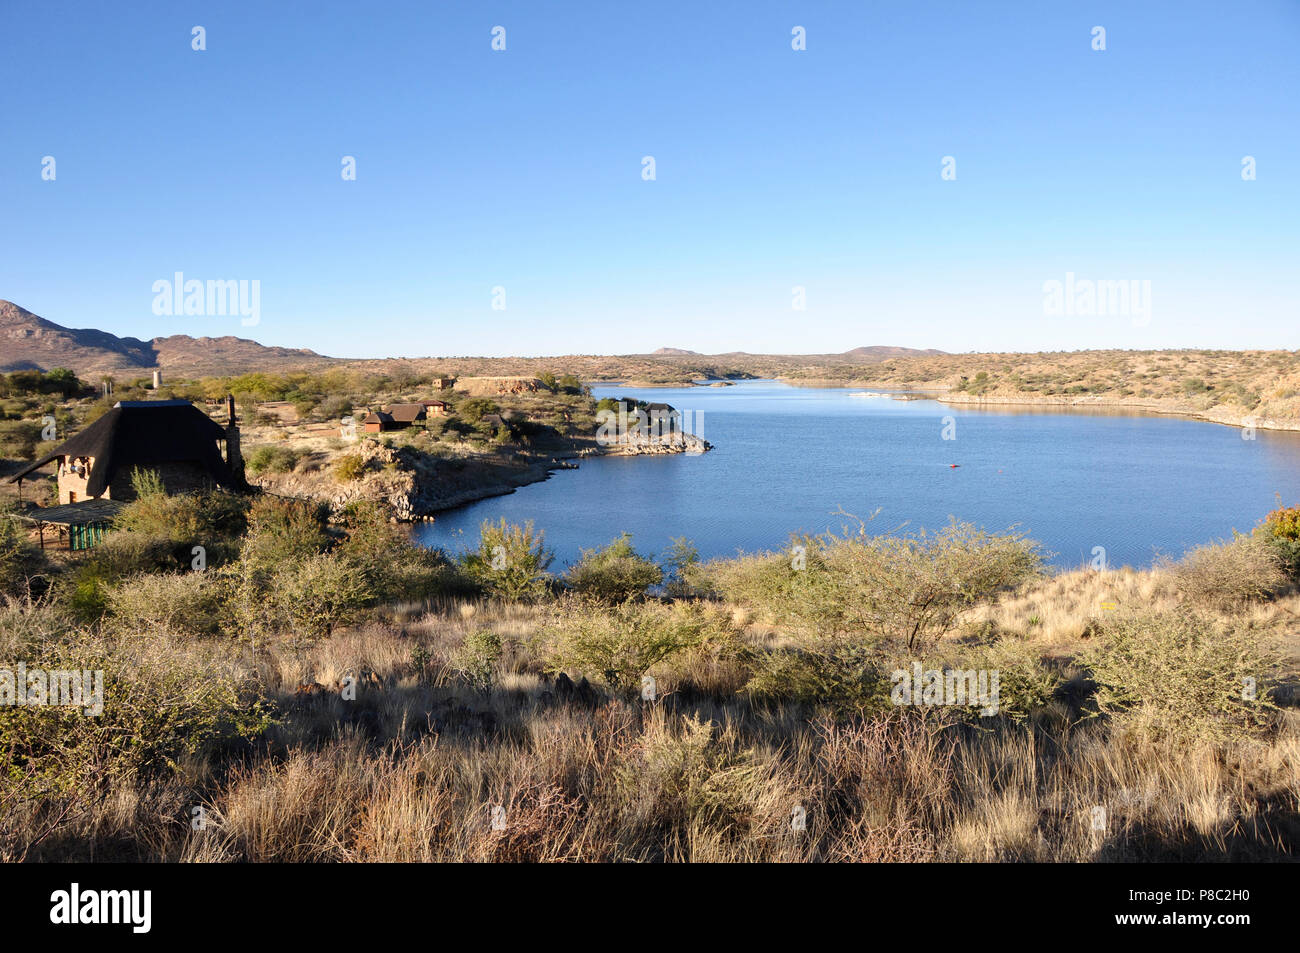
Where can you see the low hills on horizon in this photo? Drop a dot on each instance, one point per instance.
(34, 343)
(1255, 388)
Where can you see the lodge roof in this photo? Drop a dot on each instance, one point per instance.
(137, 432)
(406, 413)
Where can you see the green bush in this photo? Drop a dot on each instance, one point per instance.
(146, 482)
(121, 555)
(270, 458)
(684, 576)
(394, 568)
(1182, 677)
(162, 699)
(1281, 529)
(1026, 686)
(215, 520)
(314, 596)
(907, 589)
(477, 657)
(349, 467)
(1228, 576)
(614, 573)
(511, 561)
(472, 409)
(282, 531)
(845, 676)
(619, 644)
(186, 604)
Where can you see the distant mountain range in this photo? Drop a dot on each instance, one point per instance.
(859, 355)
(29, 342)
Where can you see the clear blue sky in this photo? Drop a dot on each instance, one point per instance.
(775, 168)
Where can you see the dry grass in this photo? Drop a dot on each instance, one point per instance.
(420, 764)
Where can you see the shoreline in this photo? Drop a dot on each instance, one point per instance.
(1154, 406)
(535, 472)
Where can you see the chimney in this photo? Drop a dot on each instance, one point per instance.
(157, 380)
(234, 459)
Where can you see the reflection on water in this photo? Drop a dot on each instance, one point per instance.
(788, 459)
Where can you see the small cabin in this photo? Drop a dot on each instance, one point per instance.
(499, 424)
(404, 415)
(662, 419)
(401, 416)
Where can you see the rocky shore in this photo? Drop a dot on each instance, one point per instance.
(415, 486)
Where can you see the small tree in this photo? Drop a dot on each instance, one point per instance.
(908, 589)
(473, 409)
(282, 531)
(682, 560)
(511, 561)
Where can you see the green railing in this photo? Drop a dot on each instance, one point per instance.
(86, 535)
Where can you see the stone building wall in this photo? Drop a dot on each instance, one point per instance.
(72, 485)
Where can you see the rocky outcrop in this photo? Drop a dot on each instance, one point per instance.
(414, 485)
(634, 444)
(497, 386)
(385, 479)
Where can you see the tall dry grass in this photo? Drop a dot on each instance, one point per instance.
(424, 765)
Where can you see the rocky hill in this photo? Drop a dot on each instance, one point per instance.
(29, 342)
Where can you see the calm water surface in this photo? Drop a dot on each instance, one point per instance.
(787, 459)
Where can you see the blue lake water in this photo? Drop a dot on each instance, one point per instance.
(788, 459)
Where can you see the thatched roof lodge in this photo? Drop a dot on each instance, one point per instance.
(171, 439)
